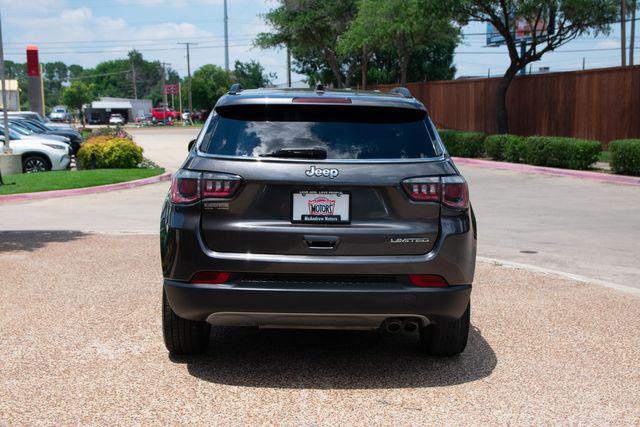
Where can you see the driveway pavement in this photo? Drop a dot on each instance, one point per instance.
(80, 343)
(581, 227)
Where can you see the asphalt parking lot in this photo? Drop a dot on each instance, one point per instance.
(81, 342)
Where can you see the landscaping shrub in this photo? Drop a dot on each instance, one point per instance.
(505, 147)
(110, 153)
(116, 132)
(625, 156)
(515, 149)
(463, 144)
(560, 152)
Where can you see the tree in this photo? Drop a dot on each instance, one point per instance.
(311, 29)
(115, 77)
(572, 18)
(251, 75)
(209, 83)
(404, 26)
(77, 95)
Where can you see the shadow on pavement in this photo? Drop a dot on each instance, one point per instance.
(32, 240)
(333, 360)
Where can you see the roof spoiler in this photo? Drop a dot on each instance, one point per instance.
(236, 88)
(402, 91)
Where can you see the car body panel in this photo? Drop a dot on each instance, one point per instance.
(389, 236)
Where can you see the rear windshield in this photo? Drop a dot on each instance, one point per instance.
(342, 133)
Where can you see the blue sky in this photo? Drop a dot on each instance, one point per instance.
(90, 31)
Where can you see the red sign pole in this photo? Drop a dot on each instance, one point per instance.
(34, 81)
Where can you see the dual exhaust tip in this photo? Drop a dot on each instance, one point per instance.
(394, 326)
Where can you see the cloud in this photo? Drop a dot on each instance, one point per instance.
(98, 37)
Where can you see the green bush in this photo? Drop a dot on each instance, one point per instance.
(515, 150)
(463, 144)
(560, 152)
(116, 132)
(625, 156)
(505, 147)
(109, 153)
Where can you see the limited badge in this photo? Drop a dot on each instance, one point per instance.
(217, 206)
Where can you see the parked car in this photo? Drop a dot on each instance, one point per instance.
(32, 115)
(59, 114)
(95, 119)
(116, 119)
(159, 114)
(39, 154)
(23, 130)
(326, 209)
(71, 136)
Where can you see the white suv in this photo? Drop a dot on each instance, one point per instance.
(40, 155)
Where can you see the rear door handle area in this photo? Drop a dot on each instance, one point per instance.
(321, 242)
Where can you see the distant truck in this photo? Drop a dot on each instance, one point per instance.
(159, 114)
(59, 113)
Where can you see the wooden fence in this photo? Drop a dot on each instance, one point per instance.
(602, 104)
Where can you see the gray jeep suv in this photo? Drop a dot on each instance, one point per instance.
(318, 209)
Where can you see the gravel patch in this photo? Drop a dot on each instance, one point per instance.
(81, 343)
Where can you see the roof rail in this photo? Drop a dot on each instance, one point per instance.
(402, 91)
(236, 88)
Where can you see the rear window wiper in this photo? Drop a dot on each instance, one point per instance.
(298, 153)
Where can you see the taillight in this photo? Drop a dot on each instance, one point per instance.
(451, 191)
(219, 185)
(455, 192)
(423, 189)
(189, 187)
(211, 277)
(185, 187)
(427, 281)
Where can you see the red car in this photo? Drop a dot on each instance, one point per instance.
(159, 114)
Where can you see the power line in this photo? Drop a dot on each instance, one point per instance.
(126, 50)
(554, 51)
(172, 39)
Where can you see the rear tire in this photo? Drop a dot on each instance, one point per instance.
(33, 163)
(446, 339)
(183, 336)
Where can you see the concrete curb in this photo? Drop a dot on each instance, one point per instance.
(25, 197)
(570, 276)
(522, 168)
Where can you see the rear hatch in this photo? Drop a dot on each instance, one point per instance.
(319, 180)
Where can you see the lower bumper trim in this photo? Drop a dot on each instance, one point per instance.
(226, 304)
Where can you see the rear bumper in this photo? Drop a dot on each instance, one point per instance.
(272, 306)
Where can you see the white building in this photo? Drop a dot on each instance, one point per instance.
(99, 111)
(13, 96)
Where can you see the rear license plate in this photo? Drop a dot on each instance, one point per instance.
(321, 207)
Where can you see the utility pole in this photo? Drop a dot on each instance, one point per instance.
(5, 117)
(226, 38)
(164, 94)
(288, 67)
(365, 61)
(623, 31)
(133, 80)
(189, 100)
